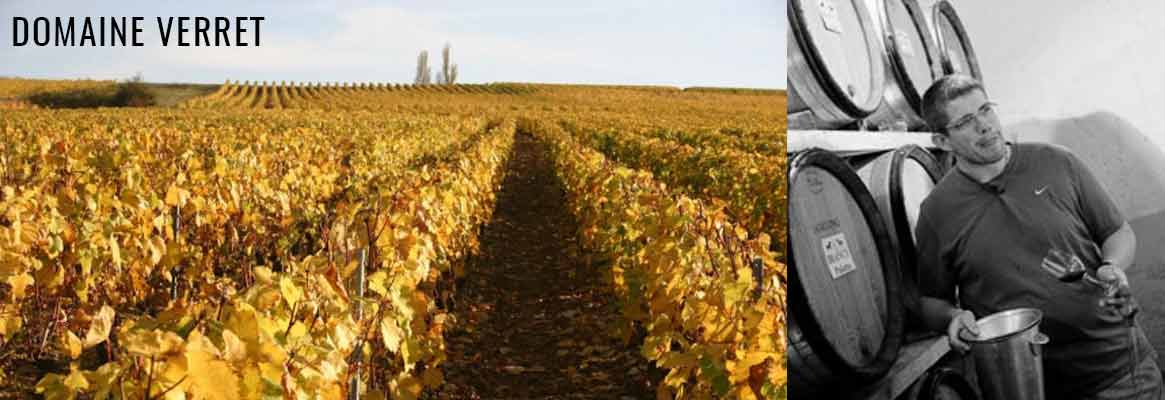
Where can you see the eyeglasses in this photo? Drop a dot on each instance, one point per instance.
(962, 122)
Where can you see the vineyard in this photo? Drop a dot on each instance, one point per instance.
(504, 240)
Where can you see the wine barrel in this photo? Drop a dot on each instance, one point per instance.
(912, 62)
(847, 319)
(835, 61)
(942, 384)
(898, 181)
(958, 57)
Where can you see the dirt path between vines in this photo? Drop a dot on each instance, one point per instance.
(533, 317)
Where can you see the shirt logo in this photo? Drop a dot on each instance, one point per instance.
(1040, 191)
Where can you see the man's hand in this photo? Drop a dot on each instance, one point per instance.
(1112, 275)
(1120, 297)
(962, 321)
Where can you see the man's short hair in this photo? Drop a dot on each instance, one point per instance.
(941, 92)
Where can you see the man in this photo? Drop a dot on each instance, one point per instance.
(1007, 228)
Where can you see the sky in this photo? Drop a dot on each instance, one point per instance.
(732, 43)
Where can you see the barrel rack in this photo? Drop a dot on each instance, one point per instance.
(854, 143)
(921, 352)
(914, 360)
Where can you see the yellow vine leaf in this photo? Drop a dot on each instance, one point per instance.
(291, 293)
(99, 327)
(376, 283)
(211, 378)
(157, 249)
(10, 324)
(252, 384)
(152, 343)
(176, 196)
(50, 276)
(298, 331)
(739, 370)
(19, 284)
(71, 344)
(101, 381)
(52, 386)
(115, 251)
(172, 371)
(62, 387)
(234, 349)
(391, 334)
(263, 275)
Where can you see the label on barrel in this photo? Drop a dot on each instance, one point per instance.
(829, 16)
(837, 255)
(813, 179)
(905, 47)
(832, 224)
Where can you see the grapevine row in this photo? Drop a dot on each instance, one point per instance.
(329, 96)
(119, 219)
(708, 296)
(750, 183)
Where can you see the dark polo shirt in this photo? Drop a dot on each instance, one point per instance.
(988, 241)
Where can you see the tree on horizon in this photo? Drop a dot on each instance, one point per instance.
(423, 70)
(448, 73)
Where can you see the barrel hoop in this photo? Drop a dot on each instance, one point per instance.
(897, 203)
(944, 10)
(908, 257)
(803, 362)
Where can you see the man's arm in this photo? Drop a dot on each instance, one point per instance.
(1106, 226)
(1118, 252)
(937, 313)
(1118, 243)
(1120, 247)
(941, 316)
(938, 284)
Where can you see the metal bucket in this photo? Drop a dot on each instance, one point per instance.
(1009, 356)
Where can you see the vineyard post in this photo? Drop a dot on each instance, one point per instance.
(357, 356)
(758, 276)
(177, 269)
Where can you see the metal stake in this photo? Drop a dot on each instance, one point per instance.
(357, 355)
